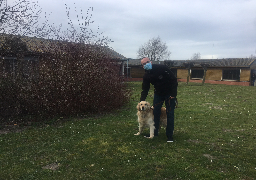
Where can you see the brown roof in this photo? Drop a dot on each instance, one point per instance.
(229, 62)
(40, 45)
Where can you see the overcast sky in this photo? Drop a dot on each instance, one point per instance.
(214, 28)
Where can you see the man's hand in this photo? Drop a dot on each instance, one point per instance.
(171, 97)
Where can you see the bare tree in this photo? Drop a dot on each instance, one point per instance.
(20, 18)
(196, 56)
(154, 49)
(82, 33)
(252, 56)
(23, 16)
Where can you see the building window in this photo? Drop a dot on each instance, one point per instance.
(197, 74)
(30, 67)
(10, 65)
(233, 74)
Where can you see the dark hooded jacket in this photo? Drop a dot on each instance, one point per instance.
(164, 81)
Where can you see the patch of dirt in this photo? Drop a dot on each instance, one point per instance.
(216, 107)
(194, 141)
(208, 156)
(226, 130)
(53, 166)
(208, 104)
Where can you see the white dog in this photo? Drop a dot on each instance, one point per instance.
(146, 117)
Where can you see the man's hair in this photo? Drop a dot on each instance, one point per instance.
(145, 57)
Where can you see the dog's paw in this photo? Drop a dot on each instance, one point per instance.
(137, 134)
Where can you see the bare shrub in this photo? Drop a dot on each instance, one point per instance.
(75, 80)
(74, 74)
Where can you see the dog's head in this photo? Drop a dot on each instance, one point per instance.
(143, 106)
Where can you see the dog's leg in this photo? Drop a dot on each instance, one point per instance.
(152, 128)
(140, 130)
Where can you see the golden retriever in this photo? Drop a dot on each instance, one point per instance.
(146, 117)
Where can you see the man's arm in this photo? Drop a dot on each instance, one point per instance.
(145, 89)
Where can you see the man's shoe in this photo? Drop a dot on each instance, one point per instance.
(170, 139)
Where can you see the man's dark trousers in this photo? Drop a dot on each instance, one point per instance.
(170, 106)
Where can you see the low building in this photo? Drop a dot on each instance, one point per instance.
(22, 52)
(232, 71)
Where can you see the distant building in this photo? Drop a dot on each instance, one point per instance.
(29, 51)
(233, 71)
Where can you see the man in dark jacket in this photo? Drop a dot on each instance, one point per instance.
(165, 84)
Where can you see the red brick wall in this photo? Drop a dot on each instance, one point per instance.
(218, 82)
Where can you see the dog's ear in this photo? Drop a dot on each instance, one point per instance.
(138, 106)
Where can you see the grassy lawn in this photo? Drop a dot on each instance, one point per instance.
(214, 138)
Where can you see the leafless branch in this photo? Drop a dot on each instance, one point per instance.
(155, 49)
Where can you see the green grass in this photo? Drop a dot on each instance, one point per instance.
(214, 139)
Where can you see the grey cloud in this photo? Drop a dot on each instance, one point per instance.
(215, 27)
